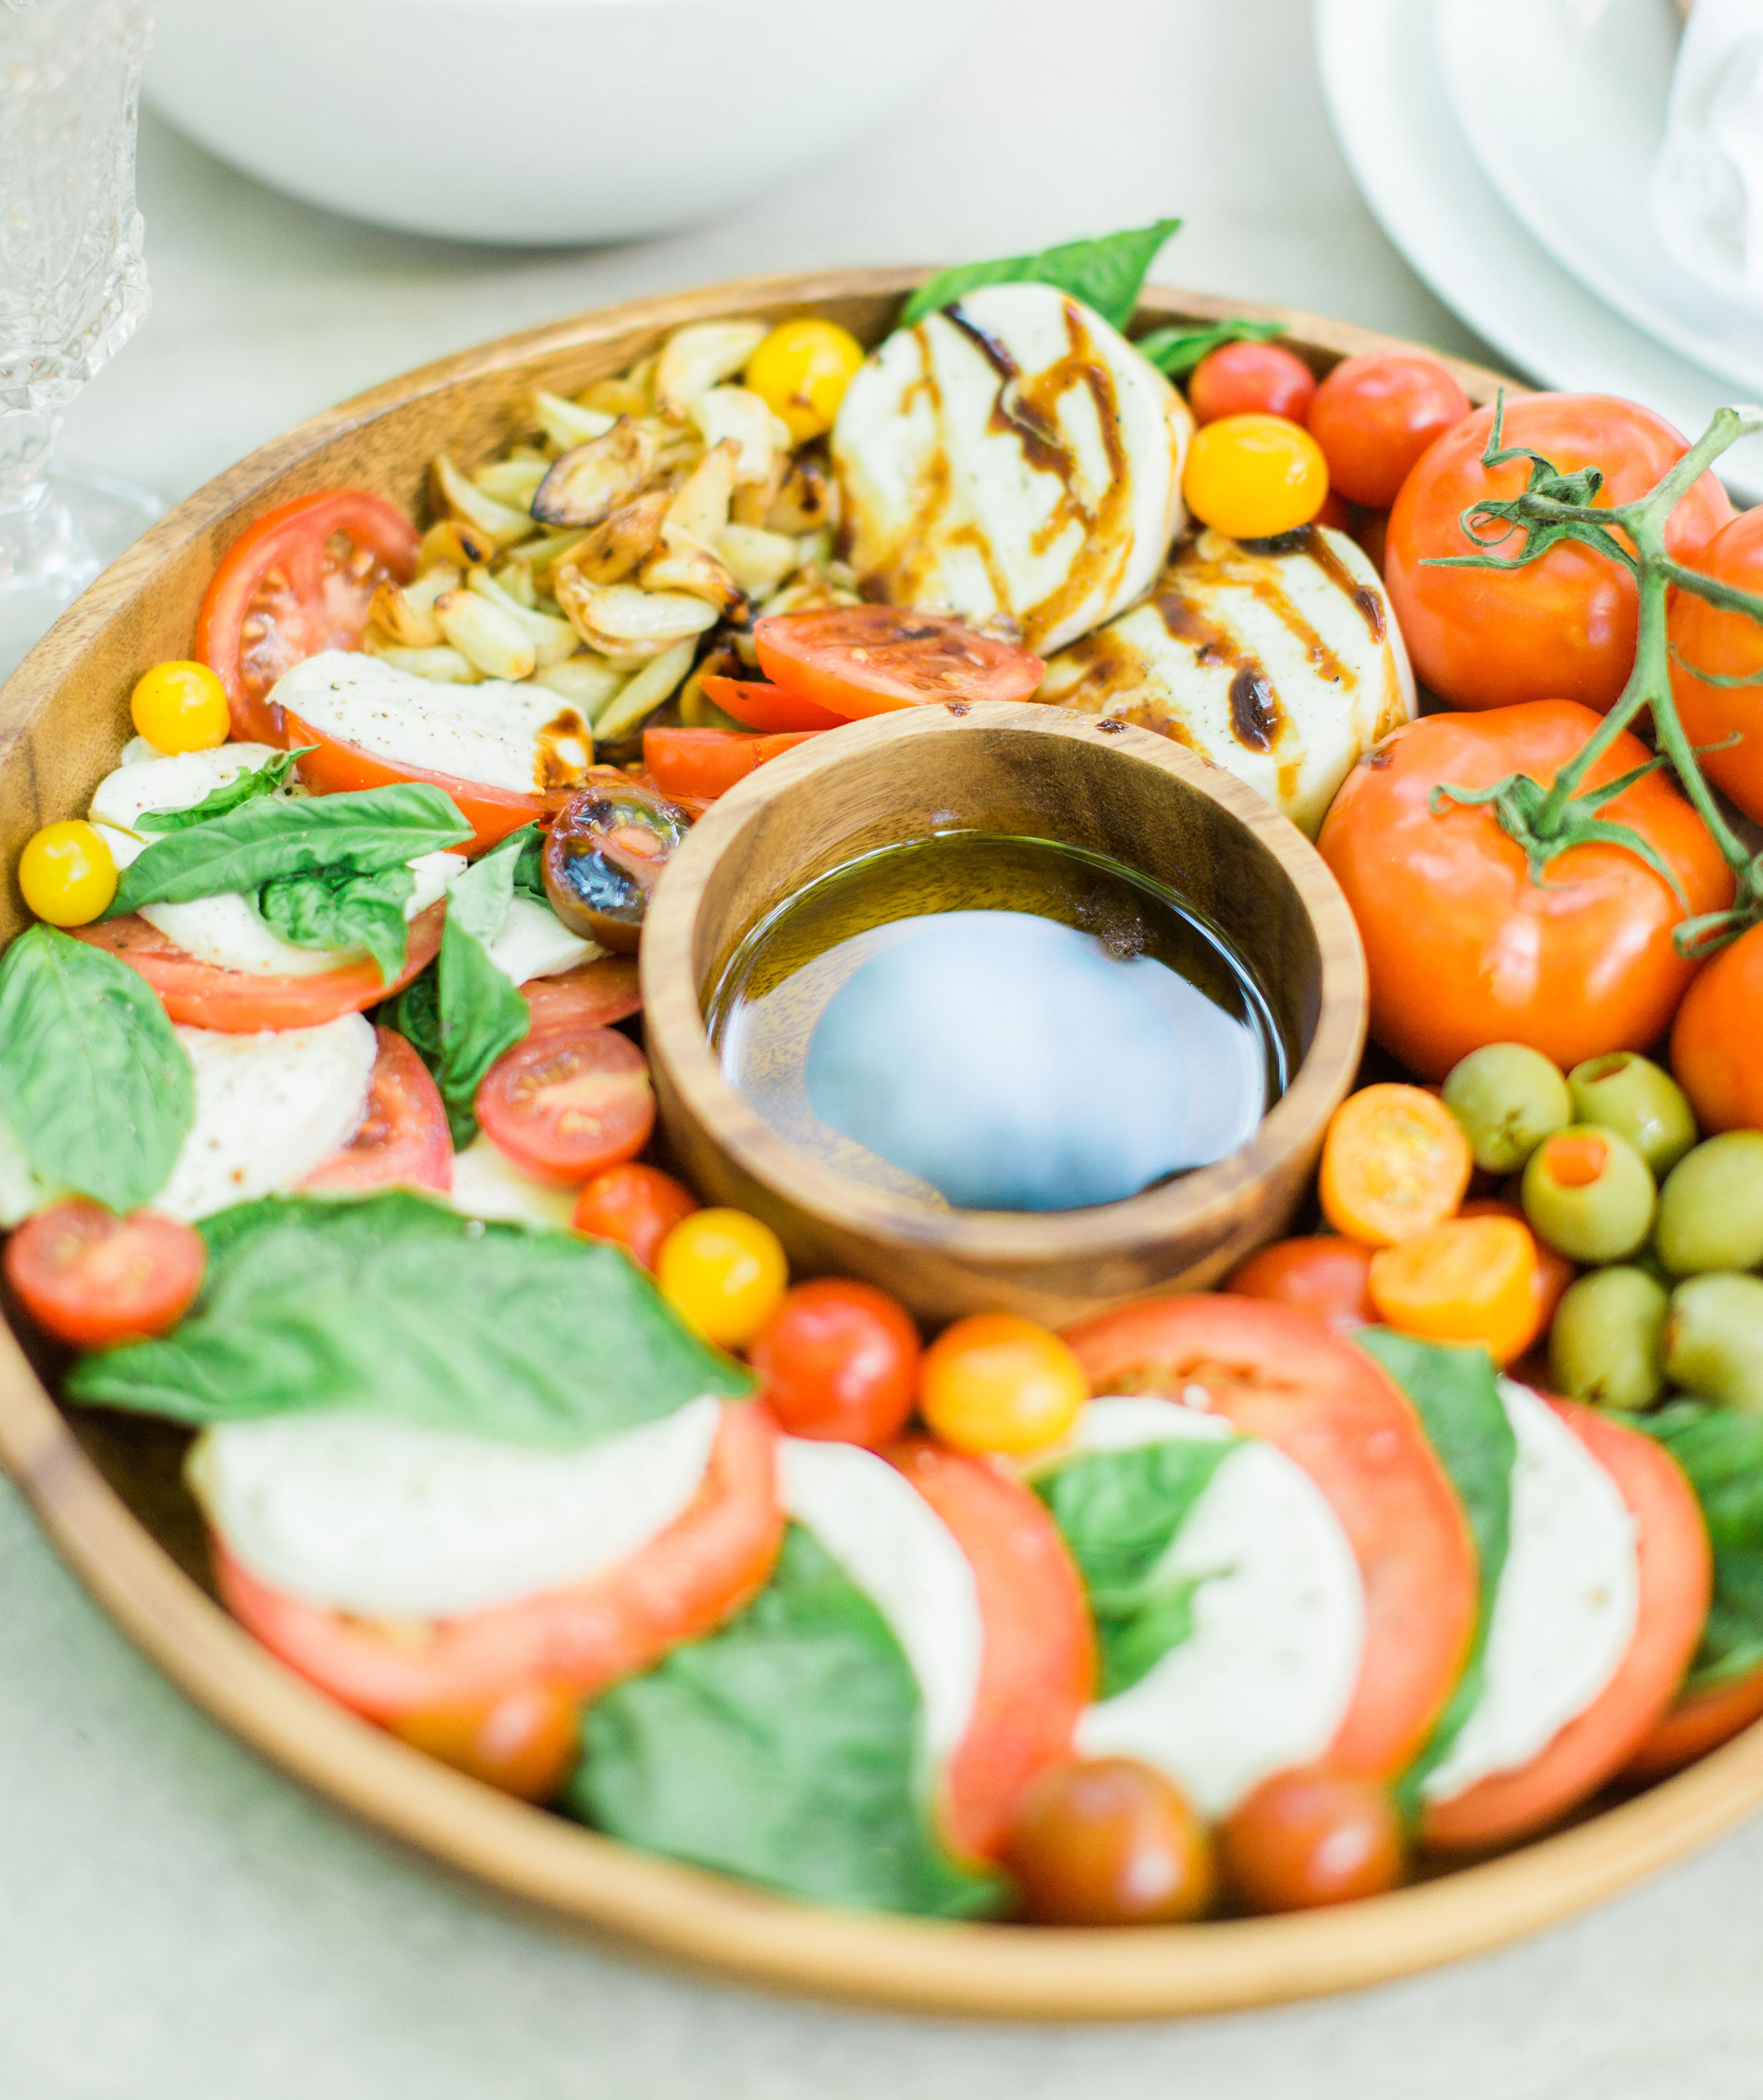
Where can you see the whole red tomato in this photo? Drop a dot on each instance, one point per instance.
(1374, 415)
(1730, 645)
(1464, 948)
(1716, 1046)
(1561, 627)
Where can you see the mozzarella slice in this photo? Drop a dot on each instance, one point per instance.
(1012, 456)
(487, 1184)
(1263, 1682)
(1284, 667)
(150, 781)
(1565, 1613)
(534, 943)
(498, 735)
(391, 1521)
(887, 1538)
(269, 1108)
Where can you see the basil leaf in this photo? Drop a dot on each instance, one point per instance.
(394, 1305)
(784, 1749)
(529, 864)
(93, 1080)
(1176, 351)
(335, 908)
(246, 786)
(1721, 1451)
(1107, 275)
(1455, 1393)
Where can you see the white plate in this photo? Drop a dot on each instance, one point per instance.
(1392, 113)
(1569, 136)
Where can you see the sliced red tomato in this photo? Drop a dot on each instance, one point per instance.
(698, 765)
(1274, 1371)
(1676, 1580)
(564, 1103)
(298, 581)
(767, 707)
(868, 659)
(681, 1584)
(92, 1279)
(404, 1139)
(1697, 1723)
(594, 995)
(239, 1002)
(1038, 1672)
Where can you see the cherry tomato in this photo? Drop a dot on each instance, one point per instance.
(525, 1741)
(1714, 1041)
(1324, 1276)
(1468, 1280)
(839, 1361)
(1562, 628)
(1695, 1724)
(1394, 1162)
(768, 707)
(67, 873)
(92, 1279)
(1372, 530)
(180, 707)
(1250, 378)
(1374, 415)
(994, 1382)
(606, 853)
(1731, 645)
(1109, 1841)
(564, 1103)
(1464, 948)
(724, 1274)
(1314, 1837)
(298, 581)
(403, 1137)
(1254, 477)
(867, 659)
(801, 371)
(635, 1207)
(1552, 1273)
(594, 995)
(700, 764)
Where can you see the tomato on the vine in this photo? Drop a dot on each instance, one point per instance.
(1724, 645)
(1374, 415)
(1714, 1042)
(838, 1360)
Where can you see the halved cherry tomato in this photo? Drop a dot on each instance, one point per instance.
(92, 1279)
(1676, 1578)
(608, 848)
(403, 1137)
(1374, 415)
(524, 1742)
(1395, 1162)
(1324, 1276)
(1109, 1841)
(1274, 1371)
(1251, 378)
(239, 1002)
(1695, 1724)
(681, 1584)
(564, 1103)
(839, 1361)
(700, 764)
(1313, 1837)
(767, 707)
(867, 659)
(635, 1207)
(1552, 1273)
(1468, 1280)
(1714, 1037)
(298, 581)
(1727, 645)
(594, 995)
(1038, 1670)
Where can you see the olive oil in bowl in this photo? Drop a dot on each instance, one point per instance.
(995, 1023)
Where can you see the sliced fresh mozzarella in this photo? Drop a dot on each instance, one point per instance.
(521, 737)
(1012, 456)
(152, 782)
(269, 1108)
(138, 751)
(1282, 665)
(487, 1184)
(899, 1551)
(534, 943)
(1279, 1620)
(1567, 1607)
(391, 1520)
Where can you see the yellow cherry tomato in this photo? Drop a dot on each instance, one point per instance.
(723, 1273)
(994, 1382)
(181, 706)
(1250, 477)
(801, 371)
(67, 874)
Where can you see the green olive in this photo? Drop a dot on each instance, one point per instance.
(1632, 1094)
(1714, 1339)
(1507, 1098)
(1607, 1341)
(1589, 1194)
(1711, 1207)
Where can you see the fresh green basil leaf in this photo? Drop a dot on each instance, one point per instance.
(246, 786)
(529, 867)
(1721, 1450)
(93, 1080)
(478, 898)
(1176, 351)
(336, 908)
(394, 1305)
(1107, 275)
(784, 1749)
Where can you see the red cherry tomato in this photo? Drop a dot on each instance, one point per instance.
(1249, 379)
(403, 1137)
(1714, 1040)
(839, 1361)
(698, 765)
(92, 1279)
(524, 1742)
(562, 1105)
(1728, 646)
(1373, 416)
(594, 995)
(1314, 1837)
(1108, 1840)
(634, 1207)
(867, 659)
(1325, 1277)
(767, 707)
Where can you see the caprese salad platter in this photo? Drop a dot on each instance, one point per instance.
(944, 1667)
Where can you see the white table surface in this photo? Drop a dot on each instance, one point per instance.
(175, 1918)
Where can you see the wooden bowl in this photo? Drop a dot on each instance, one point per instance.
(1023, 771)
(107, 1490)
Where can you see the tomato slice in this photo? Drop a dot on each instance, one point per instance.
(404, 1138)
(683, 1583)
(594, 995)
(239, 1002)
(92, 1279)
(1677, 1581)
(765, 707)
(565, 1102)
(698, 765)
(867, 659)
(1697, 1723)
(1038, 1672)
(298, 581)
(1274, 1371)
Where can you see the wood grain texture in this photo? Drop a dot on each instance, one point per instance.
(109, 1500)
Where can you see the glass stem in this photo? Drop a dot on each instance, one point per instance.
(26, 509)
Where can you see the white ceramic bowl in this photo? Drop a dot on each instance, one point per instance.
(550, 121)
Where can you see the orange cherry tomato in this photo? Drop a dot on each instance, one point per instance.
(524, 1741)
(839, 1361)
(1714, 1042)
(1108, 1840)
(1395, 1162)
(1313, 1837)
(996, 1382)
(1374, 415)
(634, 1207)
(1325, 1275)
(1251, 378)
(1464, 948)
(1468, 1280)
(1564, 626)
(868, 659)
(1697, 1723)
(767, 707)
(92, 1279)
(698, 765)
(404, 1138)
(1553, 1272)
(1729, 646)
